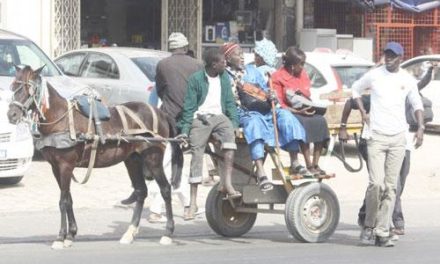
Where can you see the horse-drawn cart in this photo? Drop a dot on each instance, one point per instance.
(311, 208)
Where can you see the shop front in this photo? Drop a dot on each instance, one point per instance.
(241, 21)
(135, 23)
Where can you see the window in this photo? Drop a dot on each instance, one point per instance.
(20, 52)
(148, 66)
(100, 66)
(316, 78)
(419, 68)
(71, 63)
(349, 74)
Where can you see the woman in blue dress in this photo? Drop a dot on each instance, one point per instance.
(258, 128)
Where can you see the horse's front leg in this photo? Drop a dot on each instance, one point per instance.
(59, 241)
(134, 168)
(73, 228)
(63, 173)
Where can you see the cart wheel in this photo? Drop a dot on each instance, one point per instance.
(312, 212)
(223, 219)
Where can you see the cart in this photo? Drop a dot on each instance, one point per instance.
(311, 208)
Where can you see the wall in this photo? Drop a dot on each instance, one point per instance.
(30, 18)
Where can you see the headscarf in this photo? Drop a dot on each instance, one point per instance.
(177, 40)
(228, 48)
(267, 50)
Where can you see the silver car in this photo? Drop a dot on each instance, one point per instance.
(118, 74)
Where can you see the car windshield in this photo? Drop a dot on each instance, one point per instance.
(22, 52)
(349, 74)
(147, 65)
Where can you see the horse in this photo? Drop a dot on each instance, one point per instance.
(142, 158)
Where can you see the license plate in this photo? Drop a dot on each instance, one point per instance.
(3, 154)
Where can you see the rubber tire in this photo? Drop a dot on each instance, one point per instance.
(10, 180)
(295, 206)
(215, 210)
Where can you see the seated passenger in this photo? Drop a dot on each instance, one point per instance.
(292, 76)
(209, 110)
(258, 127)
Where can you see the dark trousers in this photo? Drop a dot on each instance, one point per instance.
(398, 220)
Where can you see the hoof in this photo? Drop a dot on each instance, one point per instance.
(57, 245)
(129, 235)
(68, 243)
(166, 240)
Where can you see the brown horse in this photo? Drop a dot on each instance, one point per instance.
(143, 159)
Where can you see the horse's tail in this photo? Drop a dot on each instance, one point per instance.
(176, 156)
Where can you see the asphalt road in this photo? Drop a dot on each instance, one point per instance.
(267, 242)
(29, 221)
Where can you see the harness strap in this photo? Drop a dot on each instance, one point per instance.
(89, 125)
(122, 111)
(91, 161)
(155, 120)
(71, 121)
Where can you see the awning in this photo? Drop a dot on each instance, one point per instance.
(408, 5)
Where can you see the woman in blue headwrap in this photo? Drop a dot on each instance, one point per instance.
(258, 128)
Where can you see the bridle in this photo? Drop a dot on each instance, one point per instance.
(35, 93)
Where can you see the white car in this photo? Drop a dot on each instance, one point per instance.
(16, 144)
(119, 74)
(329, 71)
(418, 66)
(16, 147)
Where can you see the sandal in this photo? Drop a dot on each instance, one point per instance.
(301, 170)
(232, 196)
(264, 184)
(157, 218)
(321, 171)
(228, 196)
(189, 213)
(314, 172)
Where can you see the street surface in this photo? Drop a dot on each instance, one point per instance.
(30, 221)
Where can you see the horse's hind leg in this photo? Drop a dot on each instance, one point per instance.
(134, 168)
(153, 159)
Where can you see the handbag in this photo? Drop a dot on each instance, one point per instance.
(253, 98)
(428, 114)
(299, 101)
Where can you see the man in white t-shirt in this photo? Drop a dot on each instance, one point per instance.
(389, 88)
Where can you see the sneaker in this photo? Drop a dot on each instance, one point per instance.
(156, 218)
(384, 242)
(393, 237)
(367, 236)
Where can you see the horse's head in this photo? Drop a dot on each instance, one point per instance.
(27, 90)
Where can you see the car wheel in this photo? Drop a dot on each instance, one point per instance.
(10, 180)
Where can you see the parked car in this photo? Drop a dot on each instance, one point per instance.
(119, 74)
(418, 66)
(16, 147)
(329, 71)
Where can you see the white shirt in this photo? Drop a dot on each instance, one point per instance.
(389, 91)
(212, 103)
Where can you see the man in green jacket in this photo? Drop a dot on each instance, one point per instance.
(209, 110)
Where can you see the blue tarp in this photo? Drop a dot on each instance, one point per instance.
(408, 5)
